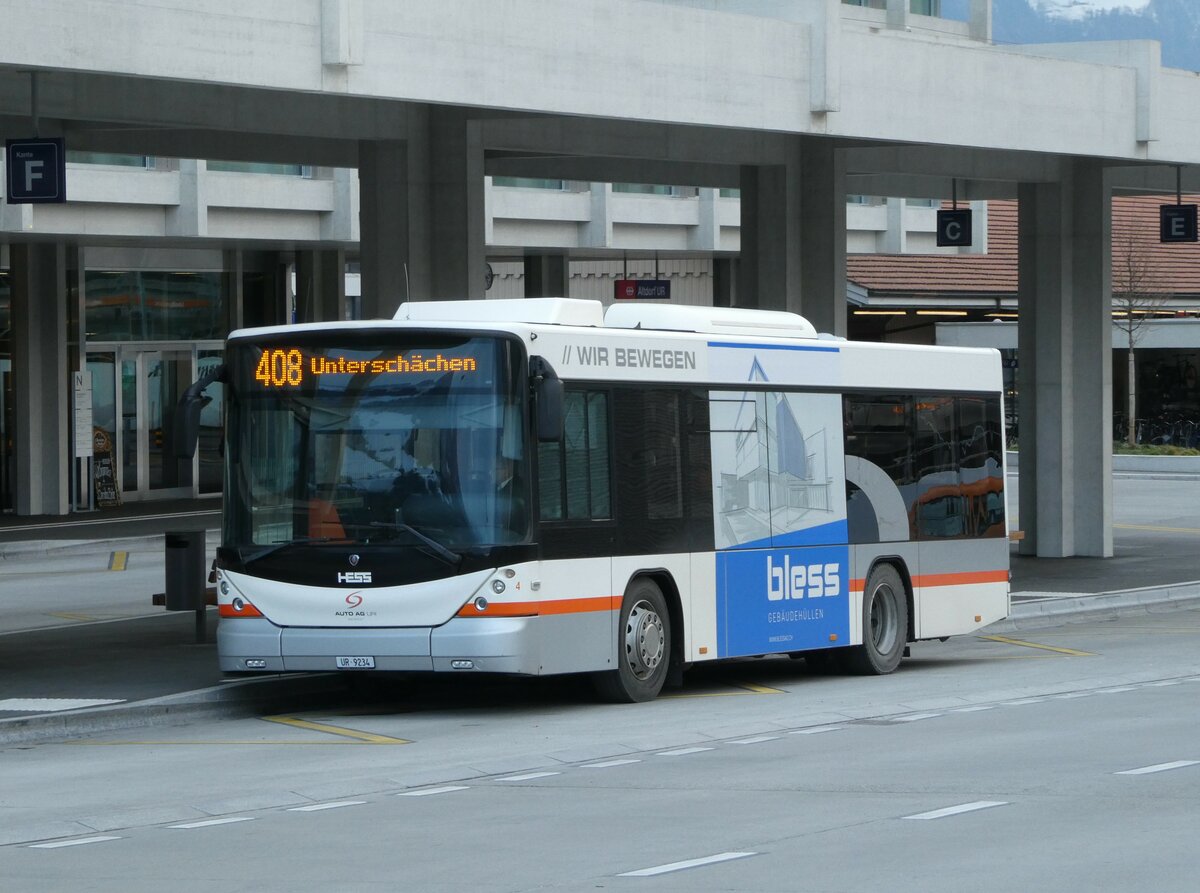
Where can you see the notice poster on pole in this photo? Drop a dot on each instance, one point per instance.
(104, 470)
(83, 416)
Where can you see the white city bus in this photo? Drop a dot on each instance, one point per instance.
(540, 487)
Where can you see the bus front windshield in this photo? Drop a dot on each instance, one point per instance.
(404, 438)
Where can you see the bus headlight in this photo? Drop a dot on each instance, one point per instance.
(497, 586)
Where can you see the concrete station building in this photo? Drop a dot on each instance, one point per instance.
(231, 163)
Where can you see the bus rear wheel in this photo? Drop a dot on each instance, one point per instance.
(884, 624)
(643, 647)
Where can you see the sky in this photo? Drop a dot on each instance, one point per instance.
(1081, 9)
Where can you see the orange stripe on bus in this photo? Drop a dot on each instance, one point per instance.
(963, 579)
(551, 606)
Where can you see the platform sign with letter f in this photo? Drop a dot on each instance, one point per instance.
(35, 171)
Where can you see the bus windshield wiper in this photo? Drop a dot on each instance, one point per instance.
(275, 547)
(452, 558)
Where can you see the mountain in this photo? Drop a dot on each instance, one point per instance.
(1175, 23)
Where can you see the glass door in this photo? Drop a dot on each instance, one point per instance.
(163, 375)
(135, 390)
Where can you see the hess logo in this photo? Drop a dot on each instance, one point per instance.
(787, 582)
(354, 577)
(354, 599)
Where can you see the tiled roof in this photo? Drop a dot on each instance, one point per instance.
(1170, 268)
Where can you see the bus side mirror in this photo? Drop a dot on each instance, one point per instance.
(186, 432)
(547, 400)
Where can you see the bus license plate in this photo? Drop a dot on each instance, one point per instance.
(355, 663)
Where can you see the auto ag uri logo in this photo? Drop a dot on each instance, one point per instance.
(354, 600)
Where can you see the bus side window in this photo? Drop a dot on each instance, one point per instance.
(573, 474)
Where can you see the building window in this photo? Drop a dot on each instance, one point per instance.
(256, 167)
(529, 183)
(646, 189)
(111, 159)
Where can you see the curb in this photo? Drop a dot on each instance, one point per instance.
(35, 548)
(1055, 610)
(233, 700)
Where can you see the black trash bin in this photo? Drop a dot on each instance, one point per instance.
(185, 571)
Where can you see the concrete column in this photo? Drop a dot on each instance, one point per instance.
(422, 214)
(1065, 357)
(547, 276)
(823, 237)
(42, 443)
(793, 232)
(724, 282)
(458, 256)
(769, 264)
(320, 286)
(394, 222)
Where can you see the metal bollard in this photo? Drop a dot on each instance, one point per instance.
(185, 579)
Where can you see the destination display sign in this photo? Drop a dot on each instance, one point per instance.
(290, 367)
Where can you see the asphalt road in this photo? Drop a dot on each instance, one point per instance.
(1065, 759)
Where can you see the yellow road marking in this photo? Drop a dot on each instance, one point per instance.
(202, 743)
(748, 688)
(1056, 649)
(1154, 527)
(760, 689)
(67, 615)
(366, 737)
(118, 561)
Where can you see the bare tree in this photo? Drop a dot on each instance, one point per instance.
(1135, 297)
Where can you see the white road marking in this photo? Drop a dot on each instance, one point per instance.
(689, 863)
(529, 776)
(1159, 767)
(1162, 683)
(913, 717)
(317, 807)
(77, 842)
(683, 751)
(758, 740)
(1073, 694)
(607, 763)
(427, 791)
(817, 730)
(975, 709)
(1020, 701)
(1113, 691)
(52, 705)
(957, 810)
(210, 822)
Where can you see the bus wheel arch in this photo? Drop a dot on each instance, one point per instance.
(648, 637)
(887, 609)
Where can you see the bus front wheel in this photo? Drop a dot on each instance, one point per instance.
(643, 647)
(884, 624)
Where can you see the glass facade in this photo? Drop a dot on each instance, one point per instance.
(153, 306)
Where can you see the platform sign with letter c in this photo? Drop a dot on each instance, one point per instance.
(954, 228)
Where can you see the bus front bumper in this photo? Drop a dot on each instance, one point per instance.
(480, 644)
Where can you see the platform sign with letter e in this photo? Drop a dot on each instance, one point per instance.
(35, 171)
(1177, 223)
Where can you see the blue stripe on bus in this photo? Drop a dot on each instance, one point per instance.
(774, 347)
(834, 533)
